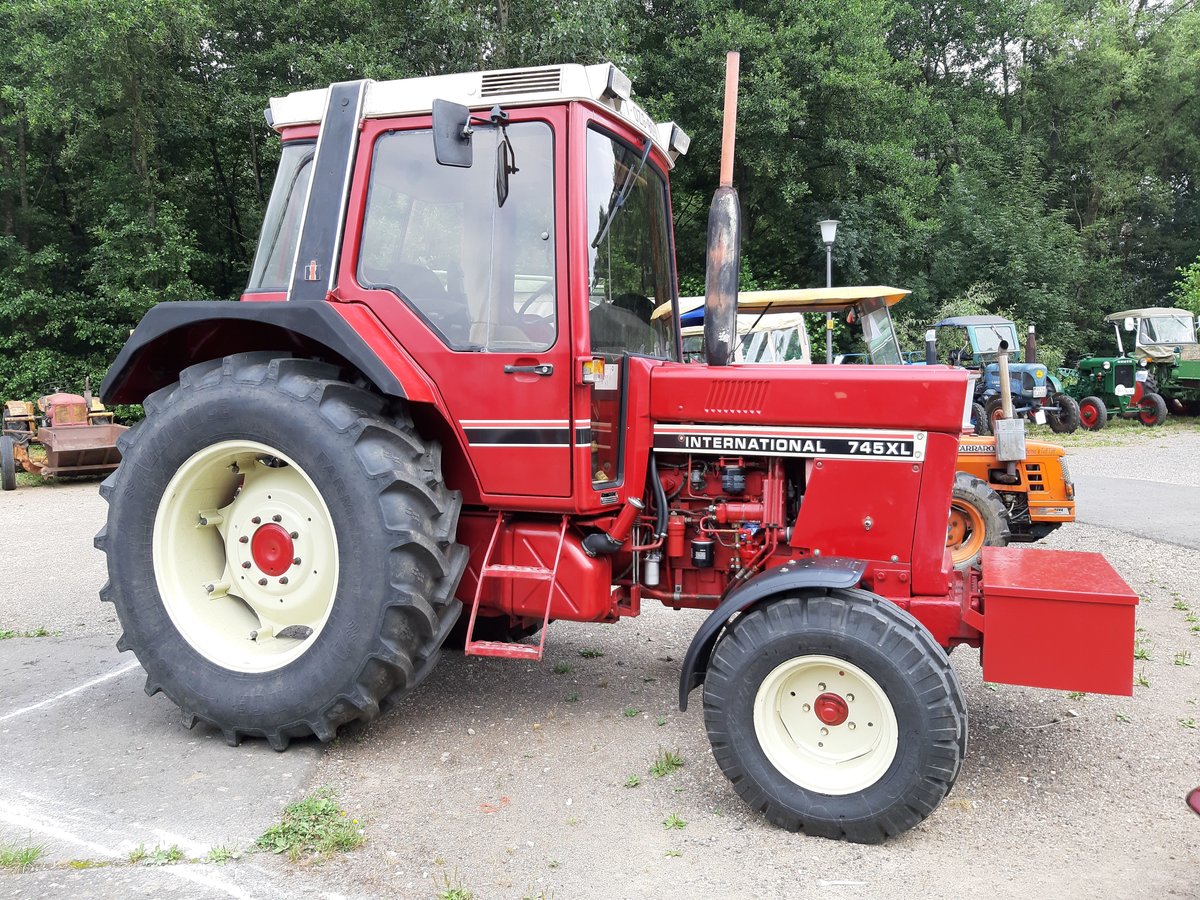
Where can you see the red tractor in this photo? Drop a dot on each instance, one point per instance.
(444, 399)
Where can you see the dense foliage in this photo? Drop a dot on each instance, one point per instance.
(1029, 156)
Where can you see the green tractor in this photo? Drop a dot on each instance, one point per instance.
(1164, 341)
(1108, 387)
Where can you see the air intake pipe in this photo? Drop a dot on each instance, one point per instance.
(724, 240)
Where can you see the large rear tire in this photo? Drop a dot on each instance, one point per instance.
(1093, 414)
(835, 712)
(977, 520)
(280, 548)
(8, 464)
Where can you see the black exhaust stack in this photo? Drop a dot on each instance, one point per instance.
(724, 240)
(1031, 345)
(931, 347)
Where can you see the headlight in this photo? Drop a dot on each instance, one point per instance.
(1107, 364)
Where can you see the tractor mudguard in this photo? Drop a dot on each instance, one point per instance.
(829, 572)
(173, 336)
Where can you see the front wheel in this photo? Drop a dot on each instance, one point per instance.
(835, 712)
(1093, 414)
(8, 463)
(1066, 419)
(1152, 410)
(280, 548)
(977, 520)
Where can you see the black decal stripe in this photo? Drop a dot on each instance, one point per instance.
(548, 437)
(583, 435)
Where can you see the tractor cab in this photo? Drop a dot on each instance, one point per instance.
(1036, 393)
(1164, 343)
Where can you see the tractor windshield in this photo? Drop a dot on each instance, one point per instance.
(987, 338)
(1167, 330)
(878, 333)
(281, 226)
(629, 251)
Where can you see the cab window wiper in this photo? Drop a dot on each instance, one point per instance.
(631, 177)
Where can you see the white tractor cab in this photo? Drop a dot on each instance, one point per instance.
(771, 323)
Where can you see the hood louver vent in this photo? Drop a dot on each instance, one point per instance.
(527, 82)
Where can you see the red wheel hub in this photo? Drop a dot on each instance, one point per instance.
(831, 709)
(272, 549)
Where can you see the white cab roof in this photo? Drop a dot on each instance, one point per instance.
(483, 90)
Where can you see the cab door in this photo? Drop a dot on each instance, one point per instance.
(463, 266)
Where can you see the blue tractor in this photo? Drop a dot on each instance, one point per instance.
(1037, 394)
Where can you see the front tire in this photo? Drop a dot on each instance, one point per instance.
(1152, 410)
(1093, 414)
(280, 548)
(979, 419)
(977, 520)
(8, 464)
(836, 713)
(1066, 420)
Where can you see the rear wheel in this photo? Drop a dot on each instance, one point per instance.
(994, 411)
(977, 520)
(835, 712)
(1066, 420)
(280, 548)
(8, 464)
(1093, 414)
(1152, 410)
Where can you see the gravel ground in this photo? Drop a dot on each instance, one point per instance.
(509, 779)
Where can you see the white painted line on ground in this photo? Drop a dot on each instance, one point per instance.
(116, 673)
(32, 822)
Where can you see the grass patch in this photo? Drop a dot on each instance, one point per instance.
(630, 712)
(572, 697)
(137, 854)
(665, 763)
(562, 668)
(1140, 652)
(450, 887)
(1188, 722)
(1075, 695)
(1142, 680)
(163, 856)
(1123, 719)
(660, 721)
(1183, 658)
(314, 826)
(1180, 605)
(673, 853)
(18, 859)
(674, 823)
(88, 863)
(590, 653)
(219, 855)
(6, 634)
(633, 781)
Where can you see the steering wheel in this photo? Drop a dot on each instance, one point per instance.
(546, 288)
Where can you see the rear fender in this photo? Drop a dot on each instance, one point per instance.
(173, 336)
(765, 587)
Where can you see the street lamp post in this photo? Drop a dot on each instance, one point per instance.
(828, 235)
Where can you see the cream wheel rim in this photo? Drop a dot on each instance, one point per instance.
(245, 556)
(825, 724)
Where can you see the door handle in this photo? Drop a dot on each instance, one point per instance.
(539, 369)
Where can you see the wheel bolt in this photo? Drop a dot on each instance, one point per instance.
(243, 540)
(295, 534)
(246, 564)
(283, 580)
(807, 707)
(276, 518)
(824, 731)
(256, 520)
(262, 582)
(821, 686)
(849, 698)
(296, 561)
(850, 725)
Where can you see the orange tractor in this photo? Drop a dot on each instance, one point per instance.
(60, 434)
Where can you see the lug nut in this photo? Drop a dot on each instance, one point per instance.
(255, 520)
(262, 582)
(283, 580)
(246, 564)
(295, 534)
(276, 518)
(243, 540)
(296, 561)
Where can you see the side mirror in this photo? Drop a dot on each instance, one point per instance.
(1130, 324)
(452, 134)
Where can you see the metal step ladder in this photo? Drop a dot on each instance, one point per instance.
(506, 649)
